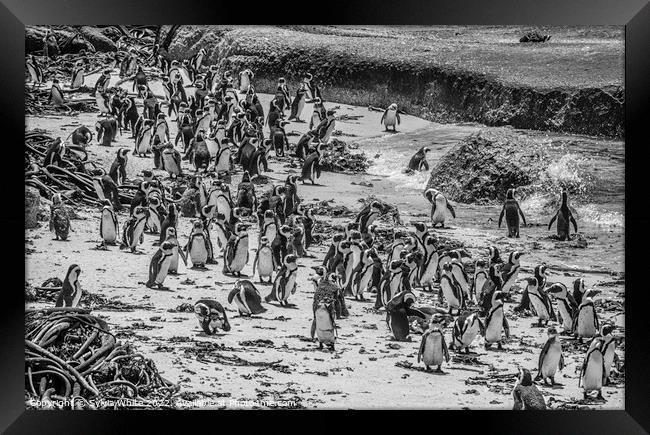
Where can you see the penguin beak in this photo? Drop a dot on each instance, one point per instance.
(591, 293)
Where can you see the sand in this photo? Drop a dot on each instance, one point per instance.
(362, 372)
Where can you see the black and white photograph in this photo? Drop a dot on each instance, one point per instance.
(325, 217)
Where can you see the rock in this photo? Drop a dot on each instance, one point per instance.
(100, 41)
(32, 206)
(534, 37)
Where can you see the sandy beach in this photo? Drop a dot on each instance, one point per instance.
(270, 357)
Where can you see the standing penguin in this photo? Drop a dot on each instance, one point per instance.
(466, 328)
(245, 78)
(81, 136)
(171, 237)
(319, 113)
(171, 162)
(550, 358)
(391, 283)
(525, 394)
(433, 347)
(512, 211)
(198, 246)
(367, 216)
(71, 292)
(285, 281)
(540, 302)
(439, 206)
(298, 103)
(419, 160)
(108, 226)
(566, 305)
(592, 372)
(326, 127)
(133, 232)
(579, 290)
(323, 326)
(311, 168)
(159, 266)
(264, 260)
(429, 268)
(211, 316)
(510, 271)
(235, 255)
(480, 278)
(585, 322)
(563, 216)
(398, 308)
(451, 290)
(118, 168)
(391, 117)
(496, 321)
(247, 298)
(608, 348)
(59, 220)
(35, 71)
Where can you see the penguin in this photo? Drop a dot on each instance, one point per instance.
(264, 261)
(540, 275)
(197, 247)
(133, 232)
(171, 162)
(56, 97)
(161, 128)
(566, 305)
(222, 231)
(459, 274)
(298, 104)
(363, 273)
(223, 159)
(467, 327)
(419, 160)
(108, 225)
(413, 261)
(390, 118)
(35, 70)
(494, 257)
(391, 283)
(585, 322)
(368, 215)
(247, 298)
(608, 349)
(284, 284)
(433, 347)
(59, 220)
(439, 206)
(291, 199)
(346, 266)
(550, 358)
(493, 284)
(279, 138)
(592, 371)
(55, 152)
(512, 211)
(398, 308)
(211, 316)
(328, 260)
(140, 196)
(81, 136)
(318, 115)
(103, 103)
(154, 220)
(323, 326)
(326, 127)
(246, 197)
(540, 302)
(453, 293)
(299, 240)
(396, 249)
(510, 271)
(235, 255)
(282, 94)
(169, 220)
(429, 268)
(480, 277)
(106, 130)
(159, 266)
(130, 116)
(199, 151)
(496, 321)
(311, 168)
(118, 168)
(144, 139)
(308, 225)
(78, 75)
(563, 216)
(71, 291)
(525, 394)
(245, 78)
(302, 147)
(171, 237)
(579, 290)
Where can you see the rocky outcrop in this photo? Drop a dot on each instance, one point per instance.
(34, 40)
(481, 168)
(426, 89)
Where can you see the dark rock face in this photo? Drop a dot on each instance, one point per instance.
(32, 206)
(484, 166)
(534, 37)
(34, 40)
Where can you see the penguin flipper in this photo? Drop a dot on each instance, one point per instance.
(445, 349)
(415, 312)
(506, 326)
(381, 122)
(542, 355)
(422, 343)
(451, 209)
(503, 210)
(398, 118)
(232, 294)
(313, 328)
(521, 213)
(573, 221)
(552, 220)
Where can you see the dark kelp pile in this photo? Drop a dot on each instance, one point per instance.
(73, 361)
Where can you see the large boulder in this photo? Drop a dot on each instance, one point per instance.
(100, 41)
(32, 206)
(481, 168)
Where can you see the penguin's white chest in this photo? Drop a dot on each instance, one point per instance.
(430, 269)
(213, 147)
(78, 80)
(198, 251)
(460, 277)
(552, 360)
(511, 280)
(448, 292)
(324, 327)
(290, 285)
(101, 103)
(390, 119)
(479, 283)
(270, 232)
(365, 279)
(586, 326)
(222, 240)
(538, 306)
(145, 142)
(440, 215)
(242, 306)
(432, 354)
(395, 283)
(173, 262)
(109, 232)
(567, 321)
(204, 124)
(608, 357)
(244, 83)
(223, 206)
(164, 268)
(493, 329)
(470, 334)
(265, 262)
(592, 378)
(170, 164)
(137, 232)
(153, 221)
(356, 256)
(223, 163)
(241, 255)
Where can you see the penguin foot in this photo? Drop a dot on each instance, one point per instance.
(600, 395)
(499, 346)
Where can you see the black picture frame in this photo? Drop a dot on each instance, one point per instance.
(633, 14)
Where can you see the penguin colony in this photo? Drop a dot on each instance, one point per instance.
(223, 129)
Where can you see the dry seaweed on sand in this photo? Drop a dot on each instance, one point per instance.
(73, 361)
